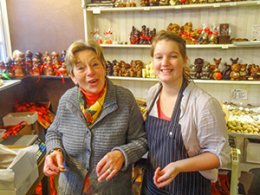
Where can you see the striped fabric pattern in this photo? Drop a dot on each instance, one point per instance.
(165, 146)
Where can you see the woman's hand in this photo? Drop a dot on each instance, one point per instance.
(109, 165)
(53, 163)
(165, 176)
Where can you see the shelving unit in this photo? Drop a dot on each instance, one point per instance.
(153, 8)
(9, 83)
(121, 19)
(248, 44)
(241, 16)
(195, 80)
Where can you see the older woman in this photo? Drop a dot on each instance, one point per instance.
(98, 129)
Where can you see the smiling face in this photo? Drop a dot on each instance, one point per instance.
(168, 61)
(88, 72)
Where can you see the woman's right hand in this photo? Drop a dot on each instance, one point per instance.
(53, 164)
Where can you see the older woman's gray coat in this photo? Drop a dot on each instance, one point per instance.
(119, 126)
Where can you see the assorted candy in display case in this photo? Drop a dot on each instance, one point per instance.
(242, 119)
(33, 64)
(221, 70)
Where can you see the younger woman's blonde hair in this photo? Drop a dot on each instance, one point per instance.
(78, 46)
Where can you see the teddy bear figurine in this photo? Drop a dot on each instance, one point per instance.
(243, 72)
(205, 74)
(216, 74)
(226, 71)
(199, 62)
(235, 69)
(254, 72)
(136, 68)
(109, 68)
(192, 70)
(116, 69)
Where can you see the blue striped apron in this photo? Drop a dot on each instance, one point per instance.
(166, 146)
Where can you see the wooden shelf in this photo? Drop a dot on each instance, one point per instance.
(133, 78)
(244, 135)
(99, 9)
(247, 166)
(196, 80)
(50, 77)
(227, 82)
(9, 83)
(243, 166)
(246, 44)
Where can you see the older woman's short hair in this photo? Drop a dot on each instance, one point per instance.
(78, 46)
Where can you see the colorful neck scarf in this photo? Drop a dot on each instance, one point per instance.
(89, 108)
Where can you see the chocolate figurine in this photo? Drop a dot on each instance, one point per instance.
(48, 68)
(8, 66)
(39, 56)
(226, 71)
(254, 72)
(62, 70)
(216, 73)
(193, 71)
(55, 61)
(205, 74)
(18, 68)
(199, 62)
(28, 61)
(63, 55)
(243, 72)
(134, 36)
(36, 70)
(2, 67)
(44, 57)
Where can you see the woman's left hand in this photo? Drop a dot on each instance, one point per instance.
(109, 165)
(162, 177)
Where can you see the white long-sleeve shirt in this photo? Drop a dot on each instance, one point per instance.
(203, 125)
